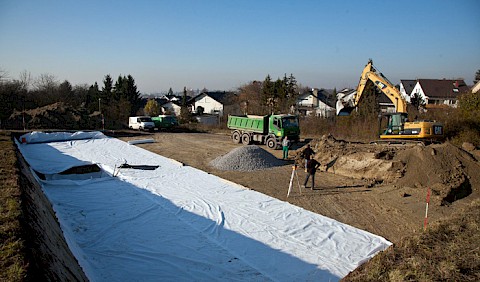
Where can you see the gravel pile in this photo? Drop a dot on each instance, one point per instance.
(246, 158)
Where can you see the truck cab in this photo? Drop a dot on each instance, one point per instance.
(284, 125)
(141, 123)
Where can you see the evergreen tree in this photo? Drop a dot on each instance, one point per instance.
(170, 91)
(292, 86)
(477, 77)
(185, 115)
(125, 89)
(369, 107)
(65, 92)
(417, 101)
(120, 88)
(279, 95)
(292, 92)
(92, 100)
(132, 94)
(333, 97)
(107, 89)
(268, 94)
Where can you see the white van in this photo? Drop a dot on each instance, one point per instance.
(141, 123)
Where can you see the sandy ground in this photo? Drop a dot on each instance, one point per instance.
(389, 210)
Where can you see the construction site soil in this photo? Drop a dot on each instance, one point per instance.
(375, 187)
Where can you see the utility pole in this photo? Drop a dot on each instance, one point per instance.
(23, 114)
(100, 111)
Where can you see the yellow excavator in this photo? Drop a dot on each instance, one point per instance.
(398, 126)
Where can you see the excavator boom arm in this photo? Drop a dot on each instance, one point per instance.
(370, 74)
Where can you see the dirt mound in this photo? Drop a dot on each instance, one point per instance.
(451, 172)
(246, 158)
(55, 116)
(353, 159)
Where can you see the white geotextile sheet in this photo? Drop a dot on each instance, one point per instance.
(183, 224)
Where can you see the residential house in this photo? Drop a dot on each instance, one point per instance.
(476, 87)
(216, 103)
(440, 92)
(406, 87)
(315, 102)
(171, 107)
(344, 97)
(385, 104)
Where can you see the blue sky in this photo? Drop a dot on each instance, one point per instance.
(221, 45)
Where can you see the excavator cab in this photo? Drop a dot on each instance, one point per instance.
(395, 123)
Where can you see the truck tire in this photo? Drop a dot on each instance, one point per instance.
(245, 139)
(272, 143)
(236, 137)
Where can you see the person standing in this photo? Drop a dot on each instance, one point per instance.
(285, 146)
(312, 166)
(307, 155)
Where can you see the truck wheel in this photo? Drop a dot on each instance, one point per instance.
(246, 139)
(272, 143)
(236, 137)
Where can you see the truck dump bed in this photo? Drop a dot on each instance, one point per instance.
(258, 124)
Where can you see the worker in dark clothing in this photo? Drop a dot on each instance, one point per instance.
(307, 155)
(312, 166)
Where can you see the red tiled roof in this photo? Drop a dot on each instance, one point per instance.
(443, 88)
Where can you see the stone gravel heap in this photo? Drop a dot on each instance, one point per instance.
(246, 158)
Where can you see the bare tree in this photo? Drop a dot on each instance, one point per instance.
(46, 82)
(3, 75)
(250, 98)
(25, 79)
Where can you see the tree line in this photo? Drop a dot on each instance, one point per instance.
(268, 96)
(114, 102)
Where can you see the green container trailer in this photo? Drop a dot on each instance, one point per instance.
(165, 121)
(269, 130)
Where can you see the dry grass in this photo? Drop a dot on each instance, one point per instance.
(353, 128)
(448, 251)
(12, 250)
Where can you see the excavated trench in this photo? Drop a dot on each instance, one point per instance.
(50, 257)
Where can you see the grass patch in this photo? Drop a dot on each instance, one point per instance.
(13, 266)
(448, 251)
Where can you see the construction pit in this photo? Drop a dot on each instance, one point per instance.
(376, 187)
(380, 189)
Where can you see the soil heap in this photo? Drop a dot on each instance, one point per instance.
(246, 158)
(54, 116)
(450, 171)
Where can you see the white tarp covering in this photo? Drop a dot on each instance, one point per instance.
(180, 223)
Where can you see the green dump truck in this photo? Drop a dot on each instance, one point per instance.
(269, 130)
(165, 121)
